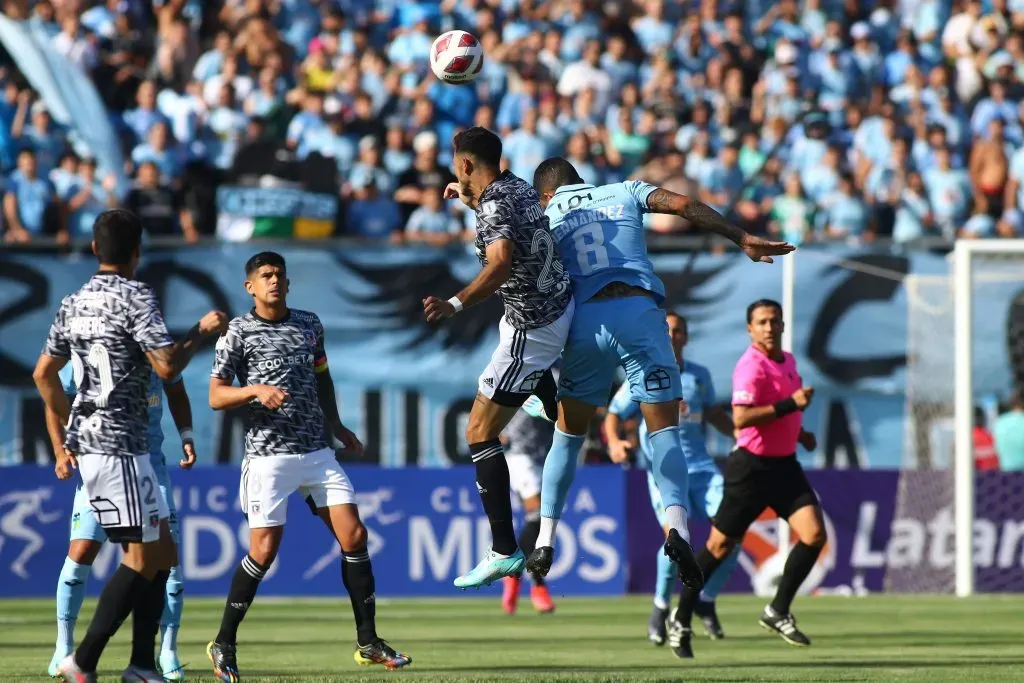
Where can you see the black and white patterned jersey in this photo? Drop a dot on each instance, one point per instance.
(528, 435)
(538, 290)
(105, 330)
(285, 354)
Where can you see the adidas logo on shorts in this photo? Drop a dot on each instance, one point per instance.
(489, 381)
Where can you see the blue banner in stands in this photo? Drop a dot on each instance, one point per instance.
(425, 528)
(407, 387)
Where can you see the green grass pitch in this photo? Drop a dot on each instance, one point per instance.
(877, 638)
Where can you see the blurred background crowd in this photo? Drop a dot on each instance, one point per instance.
(818, 120)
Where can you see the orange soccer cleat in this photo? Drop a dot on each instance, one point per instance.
(541, 599)
(510, 594)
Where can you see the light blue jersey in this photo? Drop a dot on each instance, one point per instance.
(601, 237)
(698, 395)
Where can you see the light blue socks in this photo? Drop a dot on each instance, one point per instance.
(70, 595)
(173, 607)
(559, 472)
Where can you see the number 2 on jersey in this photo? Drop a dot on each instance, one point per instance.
(590, 250)
(545, 280)
(99, 359)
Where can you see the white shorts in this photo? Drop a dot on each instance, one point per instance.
(124, 494)
(524, 475)
(522, 358)
(268, 481)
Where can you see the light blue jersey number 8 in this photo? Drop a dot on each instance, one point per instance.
(590, 250)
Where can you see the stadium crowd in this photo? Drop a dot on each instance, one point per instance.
(815, 120)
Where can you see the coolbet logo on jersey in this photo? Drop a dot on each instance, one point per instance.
(274, 363)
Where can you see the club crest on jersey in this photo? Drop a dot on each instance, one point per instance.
(254, 509)
(310, 338)
(489, 208)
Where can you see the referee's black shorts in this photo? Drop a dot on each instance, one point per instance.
(753, 483)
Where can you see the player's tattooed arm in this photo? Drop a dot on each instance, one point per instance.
(703, 217)
(332, 418)
(170, 361)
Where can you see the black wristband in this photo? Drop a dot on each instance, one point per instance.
(785, 407)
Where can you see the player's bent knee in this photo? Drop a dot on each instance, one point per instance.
(84, 551)
(264, 544)
(353, 538)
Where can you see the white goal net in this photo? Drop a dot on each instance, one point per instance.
(959, 377)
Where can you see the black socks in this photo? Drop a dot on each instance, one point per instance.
(357, 575)
(798, 565)
(243, 590)
(123, 591)
(492, 482)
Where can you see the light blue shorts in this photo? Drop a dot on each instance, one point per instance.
(631, 333)
(84, 526)
(705, 496)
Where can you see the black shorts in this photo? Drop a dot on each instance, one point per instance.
(753, 483)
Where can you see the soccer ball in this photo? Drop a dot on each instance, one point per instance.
(456, 57)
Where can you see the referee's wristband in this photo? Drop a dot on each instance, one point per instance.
(785, 407)
(456, 304)
(186, 435)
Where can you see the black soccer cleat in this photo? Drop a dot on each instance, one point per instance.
(709, 617)
(657, 630)
(679, 637)
(540, 560)
(784, 625)
(225, 665)
(681, 554)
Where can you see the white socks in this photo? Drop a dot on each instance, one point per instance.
(546, 537)
(675, 516)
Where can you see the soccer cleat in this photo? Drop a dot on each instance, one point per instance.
(510, 594)
(541, 599)
(679, 638)
(170, 667)
(134, 674)
(681, 554)
(69, 671)
(705, 609)
(54, 669)
(657, 629)
(225, 665)
(492, 568)
(785, 626)
(540, 561)
(380, 652)
(534, 407)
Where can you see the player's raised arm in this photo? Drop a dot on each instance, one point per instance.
(703, 217)
(492, 276)
(150, 331)
(181, 411)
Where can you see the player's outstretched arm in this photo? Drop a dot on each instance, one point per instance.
(488, 280)
(169, 361)
(332, 418)
(703, 217)
(181, 411)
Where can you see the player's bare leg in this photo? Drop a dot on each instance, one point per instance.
(486, 420)
(264, 543)
(809, 528)
(71, 584)
(357, 575)
(574, 418)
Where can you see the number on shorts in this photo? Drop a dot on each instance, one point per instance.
(541, 239)
(148, 491)
(99, 359)
(590, 250)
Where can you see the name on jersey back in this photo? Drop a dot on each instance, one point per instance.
(87, 326)
(581, 217)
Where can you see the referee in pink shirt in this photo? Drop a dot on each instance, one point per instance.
(762, 472)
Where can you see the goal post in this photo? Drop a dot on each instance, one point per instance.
(965, 256)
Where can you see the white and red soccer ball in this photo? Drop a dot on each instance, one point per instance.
(456, 57)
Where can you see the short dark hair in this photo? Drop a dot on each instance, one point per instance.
(682, 319)
(117, 234)
(762, 303)
(264, 258)
(553, 173)
(481, 144)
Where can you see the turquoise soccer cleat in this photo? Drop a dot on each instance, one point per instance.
(492, 568)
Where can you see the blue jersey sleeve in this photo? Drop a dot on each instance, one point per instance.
(623, 404)
(639, 191)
